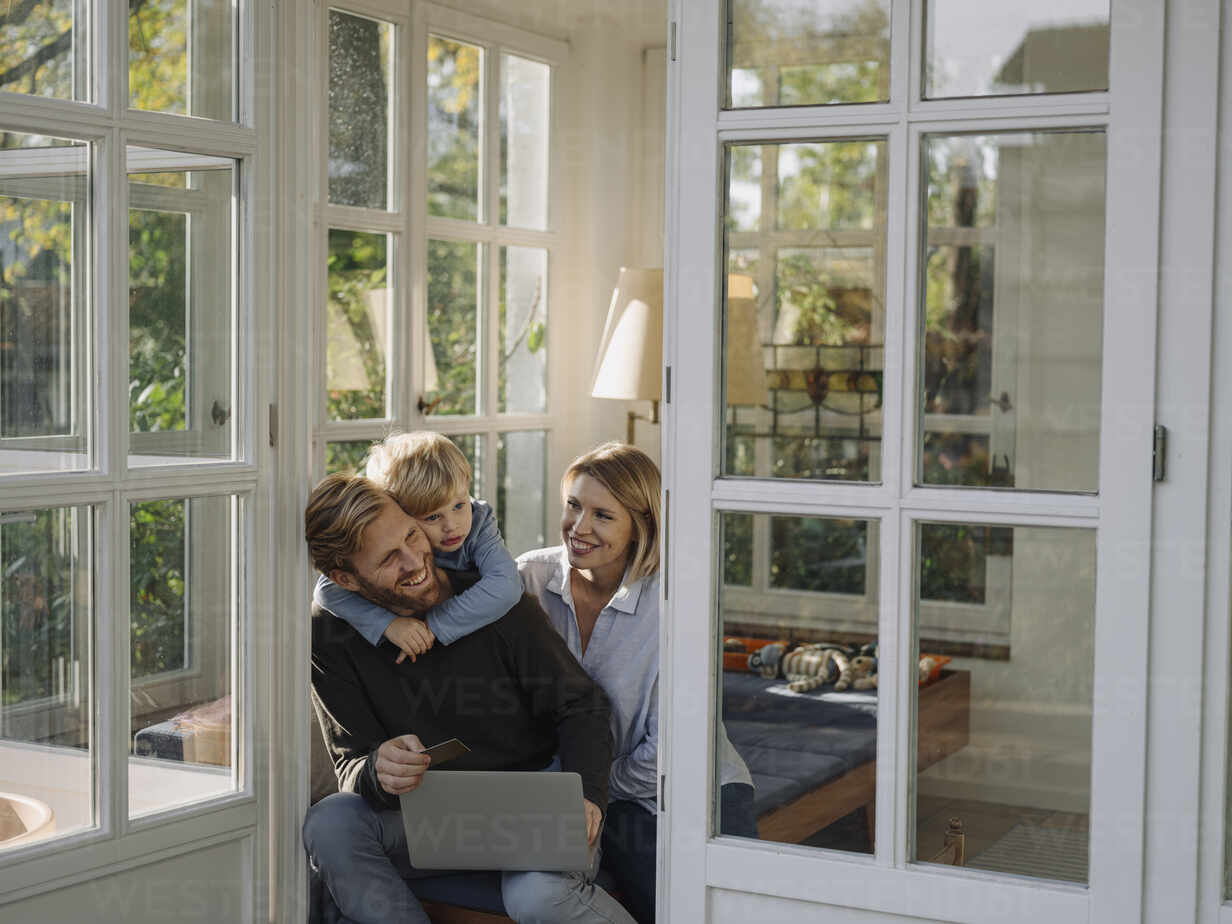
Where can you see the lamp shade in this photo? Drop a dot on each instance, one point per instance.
(746, 370)
(630, 363)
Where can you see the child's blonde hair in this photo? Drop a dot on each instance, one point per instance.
(422, 470)
(633, 479)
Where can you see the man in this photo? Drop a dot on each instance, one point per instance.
(510, 691)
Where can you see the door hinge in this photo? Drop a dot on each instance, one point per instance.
(273, 425)
(1159, 453)
(667, 384)
(672, 40)
(662, 793)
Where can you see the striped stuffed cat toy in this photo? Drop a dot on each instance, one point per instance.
(805, 668)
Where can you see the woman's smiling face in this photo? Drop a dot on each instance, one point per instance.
(596, 528)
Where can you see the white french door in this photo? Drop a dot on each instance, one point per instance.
(912, 286)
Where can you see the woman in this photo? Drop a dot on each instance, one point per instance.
(601, 591)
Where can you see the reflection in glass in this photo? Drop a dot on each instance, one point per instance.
(181, 301)
(181, 57)
(798, 689)
(46, 681)
(1013, 274)
(360, 74)
(44, 196)
(357, 324)
(1009, 754)
(805, 310)
(454, 117)
(347, 456)
(44, 48)
(471, 446)
(522, 383)
(525, 130)
(785, 53)
(181, 637)
(1009, 48)
(453, 322)
(521, 481)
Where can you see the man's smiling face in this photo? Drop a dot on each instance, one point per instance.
(393, 566)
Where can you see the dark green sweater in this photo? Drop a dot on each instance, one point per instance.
(510, 691)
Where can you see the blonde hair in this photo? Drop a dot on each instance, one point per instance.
(422, 470)
(633, 479)
(339, 510)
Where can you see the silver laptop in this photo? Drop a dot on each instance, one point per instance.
(485, 819)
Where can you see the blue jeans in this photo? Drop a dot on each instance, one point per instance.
(629, 840)
(361, 854)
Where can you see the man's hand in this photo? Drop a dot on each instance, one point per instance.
(400, 765)
(593, 819)
(411, 635)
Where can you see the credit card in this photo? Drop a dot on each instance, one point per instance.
(446, 751)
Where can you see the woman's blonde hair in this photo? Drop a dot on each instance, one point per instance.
(422, 470)
(633, 479)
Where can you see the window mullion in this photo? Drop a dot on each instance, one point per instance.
(415, 208)
(489, 337)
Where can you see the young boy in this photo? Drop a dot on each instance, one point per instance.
(430, 478)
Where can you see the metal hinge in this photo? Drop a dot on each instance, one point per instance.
(667, 384)
(672, 40)
(1159, 453)
(662, 793)
(273, 425)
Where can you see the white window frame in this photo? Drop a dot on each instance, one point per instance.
(409, 221)
(698, 865)
(240, 817)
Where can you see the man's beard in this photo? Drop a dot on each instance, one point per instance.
(396, 599)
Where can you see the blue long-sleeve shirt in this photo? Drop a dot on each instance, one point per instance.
(498, 589)
(622, 657)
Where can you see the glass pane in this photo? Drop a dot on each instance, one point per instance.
(521, 479)
(454, 117)
(181, 57)
(181, 636)
(1004, 622)
(471, 445)
(1004, 47)
(453, 324)
(522, 386)
(805, 310)
(798, 691)
(360, 74)
(357, 324)
(46, 679)
(44, 247)
(1013, 276)
(181, 239)
(525, 127)
(786, 53)
(349, 456)
(44, 49)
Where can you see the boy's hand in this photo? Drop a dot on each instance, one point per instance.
(411, 635)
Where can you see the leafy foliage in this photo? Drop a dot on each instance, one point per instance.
(158, 313)
(157, 592)
(357, 269)
(818, 554)
(359, 72)
(40, 602)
